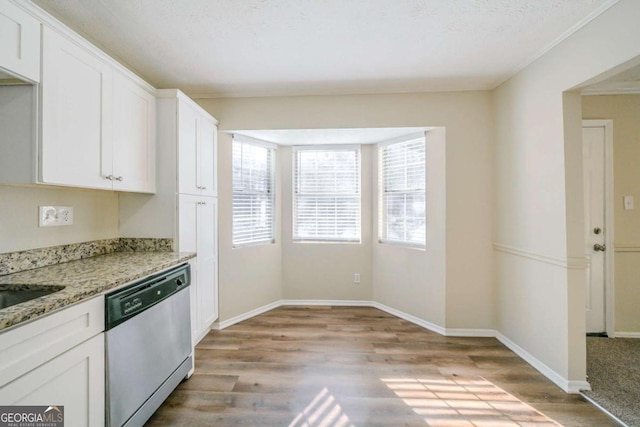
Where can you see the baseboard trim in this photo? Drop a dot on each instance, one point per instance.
(410, 318)
(572, 387)
(245, 316)
(627, 334)
(477, 333)
(341, 303)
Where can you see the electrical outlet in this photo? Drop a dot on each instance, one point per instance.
(55, 216)
(356, 278)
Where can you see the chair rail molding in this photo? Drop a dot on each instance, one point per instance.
(573, 263)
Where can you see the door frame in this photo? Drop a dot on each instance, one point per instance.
(609, 254)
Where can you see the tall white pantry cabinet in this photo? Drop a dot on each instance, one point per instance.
(186, 199)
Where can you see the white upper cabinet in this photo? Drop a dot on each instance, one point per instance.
(19, 42)
(134, 137)
(76, 97)
(90, 123)
(207, 145)
(196, 152)
(98, 126)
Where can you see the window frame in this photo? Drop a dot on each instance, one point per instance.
(243, 139)
(382, 214)
(294, 196)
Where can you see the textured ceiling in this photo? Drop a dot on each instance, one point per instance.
(281, 47)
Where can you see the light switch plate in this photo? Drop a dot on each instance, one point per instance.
(628, 203)
(55, 216)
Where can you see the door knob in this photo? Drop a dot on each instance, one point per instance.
(597, 230)
(599, 248)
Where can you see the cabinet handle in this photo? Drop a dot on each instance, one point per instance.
(120, 178)
(202, 203)
(109, 177)
(200, 187)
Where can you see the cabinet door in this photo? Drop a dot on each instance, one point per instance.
(188, 166)
(19, 42)
(134, 124)
(76, 115)
(207, 138)
(188, 223)
(207, 263)
(197, 232)
(75, 380)
(193, 289)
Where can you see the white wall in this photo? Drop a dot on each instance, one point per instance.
(412, 280)
(95, 217)
(538, 213)
(468, 270)
(325, 270)
(624, 110)
(248, 277)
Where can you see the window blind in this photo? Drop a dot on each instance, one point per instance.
(402, 192)
(326, 194)
(253, 195)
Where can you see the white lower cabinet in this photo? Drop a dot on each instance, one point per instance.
(74, 379)
(58, 360)
(197, 232)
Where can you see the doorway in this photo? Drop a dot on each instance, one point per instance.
(597, 141)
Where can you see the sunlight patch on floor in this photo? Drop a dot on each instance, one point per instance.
(323, 411)
(473, 402)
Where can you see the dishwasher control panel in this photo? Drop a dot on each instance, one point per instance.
(137, 297)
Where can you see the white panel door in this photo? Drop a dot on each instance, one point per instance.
(593, 140)
(75, 380)
(188, 165)
(133, 137)
(207, 138)
(19, 42)
(76, 115)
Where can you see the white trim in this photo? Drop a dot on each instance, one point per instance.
(248, 315)
(627, 335)
(584, 21)
(181, 96)
(410, 318)
(327, 147)
(319, 302)
(572, 387)
(255, 141)
(568, 263)
(597, 405)
(627, 247)
(610, 91)
(477, 333)
(405, 138)
(609, 263)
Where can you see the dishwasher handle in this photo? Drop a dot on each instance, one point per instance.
(126, 303)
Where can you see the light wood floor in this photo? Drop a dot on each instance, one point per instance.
(359, 366)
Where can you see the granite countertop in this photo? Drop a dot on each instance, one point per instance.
(82, 279)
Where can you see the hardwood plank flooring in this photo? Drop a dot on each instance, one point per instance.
(359, 366)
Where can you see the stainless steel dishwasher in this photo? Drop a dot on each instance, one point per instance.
(148, 345)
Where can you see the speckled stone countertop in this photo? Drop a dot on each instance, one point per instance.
(82, 279)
